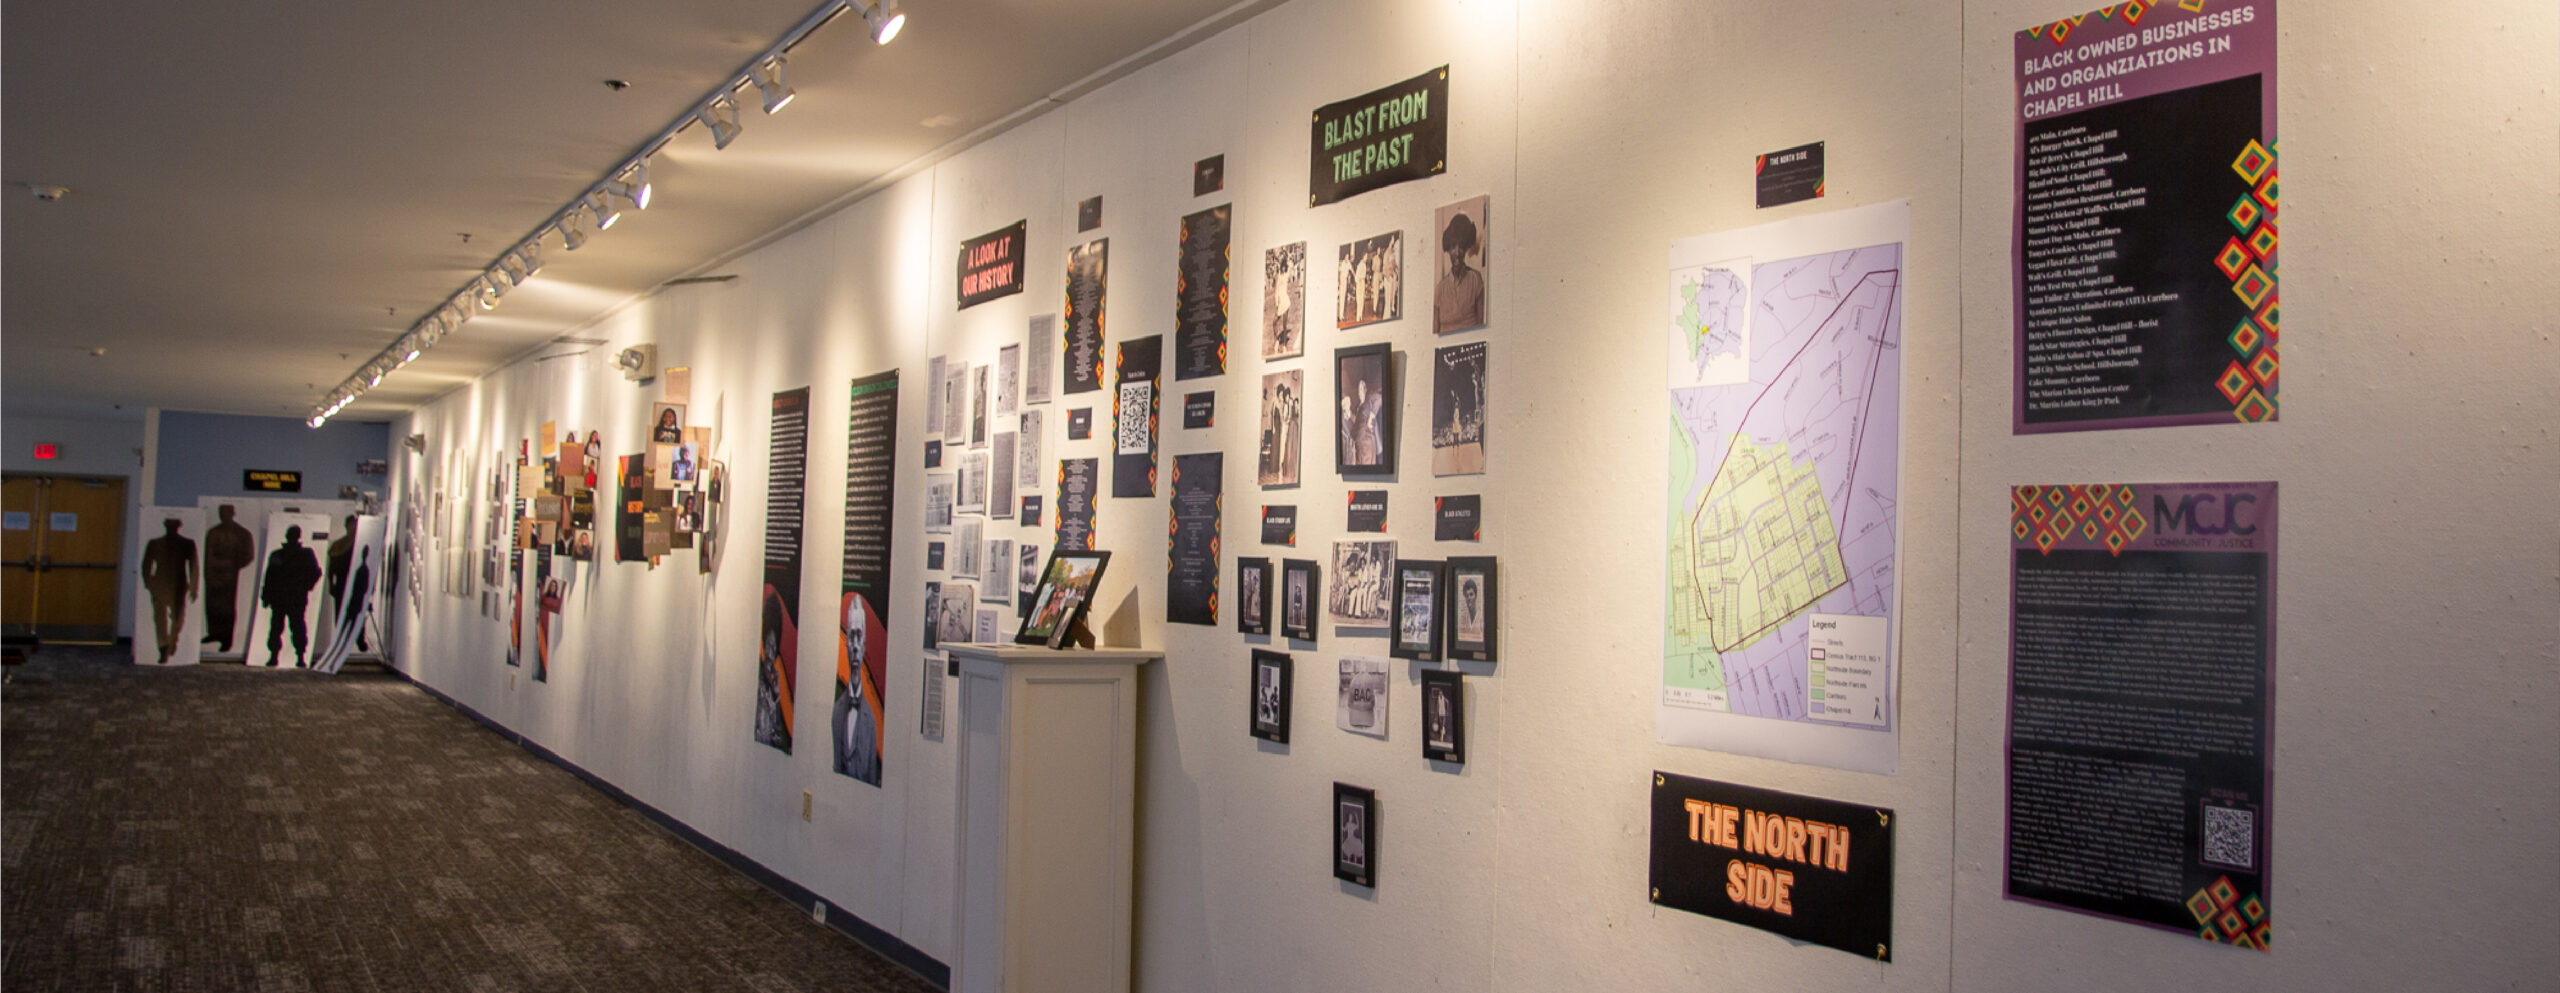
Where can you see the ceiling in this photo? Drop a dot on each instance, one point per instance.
(264, 195)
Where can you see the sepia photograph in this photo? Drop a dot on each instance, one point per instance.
(1355, 834)
(1444, 716)
(1365, 410)
(1360, 698)
(1458, 272)
(1418, 610)
(1253, 595)
(1283, 396)
(1472, 608)
(1369, 285)
(1299, 590)
(1363, 583)
(1457, 410)
(1284, 301)
(1270, 696)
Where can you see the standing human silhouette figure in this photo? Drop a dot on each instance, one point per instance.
(292, 570)
(169, 573)
(228, 548)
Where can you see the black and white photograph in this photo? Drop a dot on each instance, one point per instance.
(955, 403)
(1253, 595)
(1458, 277)
(1369, 284)
(940, 493)
(1363, 583)
(1444, 716)
(1283, 401)
(666, 423)
(932, 616)
(1360, 697)
(1457, 409)
(1271, 696)
(979, 400)
(1284, 301)
(1026, 577)
(1008, 381)
(973, 483)
(1364, 410)
(1039, 359)
(996, 585)
(953, 613)
(1355, 834)
(1001, 473)
(1026, 457)
(1472, 608)
(1300, 590)
(965, 549)
(1418, 610)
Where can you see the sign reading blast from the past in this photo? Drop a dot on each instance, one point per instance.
(1814, 870)
(1380, 138)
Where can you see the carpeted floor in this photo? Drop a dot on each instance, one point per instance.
(219, 829)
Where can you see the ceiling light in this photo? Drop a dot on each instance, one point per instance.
(487, 291)
(600, 203)
(530, 253)
(632, 184)
(571, 225)
(768, 77)
(886, 20)
(413, 354)
(721, 116)
(511, 265)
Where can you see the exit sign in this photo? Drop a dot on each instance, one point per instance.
(47, 451)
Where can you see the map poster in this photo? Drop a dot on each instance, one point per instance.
(1781, 531)
(2144, 251)
(1200, 297)
(778, 631)
(1815, 870)
(2142, 704)
(1076, 485)
(1134, 411)
(1088, 276)
(858, 725)
(1191, 566)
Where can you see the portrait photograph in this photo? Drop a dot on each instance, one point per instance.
(1355, 834)
(1418, 610)
(666, 423)
(1253, 595)
(1364, 410)
(1270, 696)
(1369, 281)
(1363, 583)
(932, 616)
(1299, 590)
(1444, 715)
(1283, 399)
(1458, 277)
(1284, 301)
(1472, 608)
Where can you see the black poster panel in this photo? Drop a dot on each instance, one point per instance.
(1191, 566)
(778, 632)
(1280, 524)
(630, 525)
(991, 265)
(1458, 518)
(1387, 136)
(1088, 279)
(862, 646)
(1815, 870)
(1200, 304)
(1787, 176)
(1076, 488)
(1134, 412)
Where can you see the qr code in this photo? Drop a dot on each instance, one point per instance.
(1136, 435)
(2231, 836)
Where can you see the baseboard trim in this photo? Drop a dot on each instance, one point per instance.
(844, 921)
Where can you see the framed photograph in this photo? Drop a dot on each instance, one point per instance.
(1063, 595)
(1473, 604)
(1364, 406)
(1419, 609)
(1355, 834)
(932, 617)
(1364, 583)
(1271, 683)
(1253, 596)
(1444, 716)
(1369, 281)
(1301, 590)
(1284, 301)
(1458, 274)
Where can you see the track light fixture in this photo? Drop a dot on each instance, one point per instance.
(600, 203)
(721, 116)
(885, 18)
(572, 228)
(768, 77)
(632, 184)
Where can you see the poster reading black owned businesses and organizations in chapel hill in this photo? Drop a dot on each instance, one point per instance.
(1200, 306)
(1815, 870)
(1077, 486)
(1088, 286)
(778, 633)
(2141, 704)
(1191, 565)
(2145, 224)
(862, 642)
(1134, 414)
(1386, 136)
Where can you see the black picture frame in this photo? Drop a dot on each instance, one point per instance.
(1301, 576)
(1065, 594)
(1420, 610)
(1364, 410)
(1482, 573)
(1355, 834)
(1444, 716)
(1267, 696)
(1253, 595)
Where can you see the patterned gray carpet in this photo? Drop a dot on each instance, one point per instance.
(218, 829)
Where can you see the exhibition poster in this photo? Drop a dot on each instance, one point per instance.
(2142, 704)
(1815, 870)
(1784, 368)
(858, 725)
(1200, 304)
(1134, 412)
(1076, 491)
(1088, 280)
(778, 634)
(515, 561)
(1191, 566)
(2144, 251)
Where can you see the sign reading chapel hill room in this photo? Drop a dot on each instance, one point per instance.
(1379, 138)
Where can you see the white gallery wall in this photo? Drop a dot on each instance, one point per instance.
(2417, 734)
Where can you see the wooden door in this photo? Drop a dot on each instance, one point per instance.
(22, 500)
(67, 559)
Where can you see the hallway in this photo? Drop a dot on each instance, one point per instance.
(214, 828)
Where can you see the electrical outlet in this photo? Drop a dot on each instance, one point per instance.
(511, 682)
(805, 801)
(818, 911)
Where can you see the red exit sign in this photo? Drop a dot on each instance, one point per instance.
(46, 451)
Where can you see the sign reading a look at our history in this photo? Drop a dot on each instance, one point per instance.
(1380, 138)
(1815, 870)
(991, 265)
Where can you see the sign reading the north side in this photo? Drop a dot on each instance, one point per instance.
(1815, 870)
(1379, 138)
(991, 265)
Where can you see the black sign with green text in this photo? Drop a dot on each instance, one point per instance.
(1380, 138)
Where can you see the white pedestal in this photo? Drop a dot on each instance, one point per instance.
(1047, 820)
